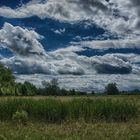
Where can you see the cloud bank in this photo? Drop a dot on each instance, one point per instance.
(30, 56)
(112, 15)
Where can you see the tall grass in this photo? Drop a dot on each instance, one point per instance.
(56, 110)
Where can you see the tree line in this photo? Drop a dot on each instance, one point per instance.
(8, 86)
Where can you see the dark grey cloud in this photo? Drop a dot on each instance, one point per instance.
(136, 2)
(136, 5)
(67, 71)
(88, 5)
(110, 69)
(115, 64)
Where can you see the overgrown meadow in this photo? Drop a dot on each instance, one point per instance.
(52, 110)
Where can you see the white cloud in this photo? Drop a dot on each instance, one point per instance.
(69, 49)
(116, 44)
(21, 41)
(59, 32)
(115, 16)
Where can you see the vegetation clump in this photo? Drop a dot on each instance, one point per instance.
(20, 117)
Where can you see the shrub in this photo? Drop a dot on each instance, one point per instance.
(20, 117)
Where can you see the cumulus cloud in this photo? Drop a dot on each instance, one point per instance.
(27, 65)
(21, 41)
(30, 56)
(52, 66)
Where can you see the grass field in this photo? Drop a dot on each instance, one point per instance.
(104, 126)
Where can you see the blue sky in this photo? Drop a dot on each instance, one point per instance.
(85, 44)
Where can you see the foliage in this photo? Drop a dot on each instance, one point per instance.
(28, 89)
(7, 81)
(51, 88)
(6, 76)
(111, 89)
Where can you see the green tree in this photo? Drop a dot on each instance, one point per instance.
(51, 88)
(7, 81)
(28, 89)
(25, 89)
(72, 92)
(6, 76)
(63, 92)
(111, 89)
(18, 89)
(93, 93)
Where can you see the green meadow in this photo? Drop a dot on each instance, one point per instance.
(70, 118)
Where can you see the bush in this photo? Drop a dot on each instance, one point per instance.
(111, 89)
(20, 117)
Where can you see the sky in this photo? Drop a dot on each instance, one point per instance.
(85, 44)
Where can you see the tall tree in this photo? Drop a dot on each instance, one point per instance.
(111, 89)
